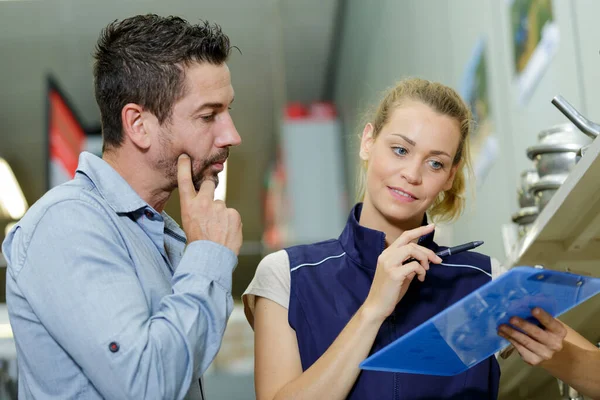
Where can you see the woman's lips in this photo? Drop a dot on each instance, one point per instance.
(402, 195)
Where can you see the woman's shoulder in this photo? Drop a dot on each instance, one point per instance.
(275, 258)
(313, 252)
(271, 281)
(273, 268)
(488, 264)
(485, 261)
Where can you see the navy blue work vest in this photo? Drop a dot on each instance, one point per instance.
(330, 280)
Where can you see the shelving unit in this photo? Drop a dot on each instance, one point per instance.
(566, 234)
(564, 237)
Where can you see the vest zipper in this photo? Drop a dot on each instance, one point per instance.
(396, 395)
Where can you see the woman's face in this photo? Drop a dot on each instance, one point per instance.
(410, 161)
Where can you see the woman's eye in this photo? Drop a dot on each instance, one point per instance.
(436, 164)
(401, 151)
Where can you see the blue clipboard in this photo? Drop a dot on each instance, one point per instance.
(465, 333)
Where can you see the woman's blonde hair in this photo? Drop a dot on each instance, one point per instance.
(444, 100)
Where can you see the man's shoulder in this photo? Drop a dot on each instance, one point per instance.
(67, 196)
(66, 211)
(71, 206)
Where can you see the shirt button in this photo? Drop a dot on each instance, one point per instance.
(149, 214)
(113, 347)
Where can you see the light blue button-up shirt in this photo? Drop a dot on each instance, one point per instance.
(104, 298)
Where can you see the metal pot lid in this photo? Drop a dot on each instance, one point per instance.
(525, 212)
(564, 133)
(528, 177)
(548, 182)
(528, 171)
(566, 127)
(523, 193)
(536, 150)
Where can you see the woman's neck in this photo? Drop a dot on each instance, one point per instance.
(372, 218)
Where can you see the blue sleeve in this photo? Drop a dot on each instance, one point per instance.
(76, 273)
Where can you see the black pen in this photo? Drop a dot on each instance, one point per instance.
(453, 250)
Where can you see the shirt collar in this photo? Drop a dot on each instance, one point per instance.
(364, 245)
(112, 187)
(172, 225)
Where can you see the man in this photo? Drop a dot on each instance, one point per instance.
(107, 296)
(558, 349)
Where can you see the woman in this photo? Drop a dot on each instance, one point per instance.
(319, 310)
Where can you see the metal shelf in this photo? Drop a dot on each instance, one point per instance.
(566, 234)
(564, 237)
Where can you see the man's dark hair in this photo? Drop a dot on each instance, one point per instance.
(142, 60)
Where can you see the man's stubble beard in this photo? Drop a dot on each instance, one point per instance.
(201, 171)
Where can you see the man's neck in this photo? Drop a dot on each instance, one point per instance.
(140, 177)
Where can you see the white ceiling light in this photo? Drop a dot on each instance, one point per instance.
(221, 189)
(12, 202)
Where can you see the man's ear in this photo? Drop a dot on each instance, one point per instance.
(132, 117)
(366, 142)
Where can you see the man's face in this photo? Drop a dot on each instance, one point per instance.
(200, 125)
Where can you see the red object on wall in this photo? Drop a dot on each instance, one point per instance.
(319, 110)
(67, 137)
(296, 111)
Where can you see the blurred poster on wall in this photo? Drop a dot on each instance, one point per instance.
(535, 38)
(476, 91)
(66, 136)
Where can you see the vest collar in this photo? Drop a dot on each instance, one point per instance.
(364, 245)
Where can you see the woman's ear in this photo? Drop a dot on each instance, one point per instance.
(450, 181)
(366, 142)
